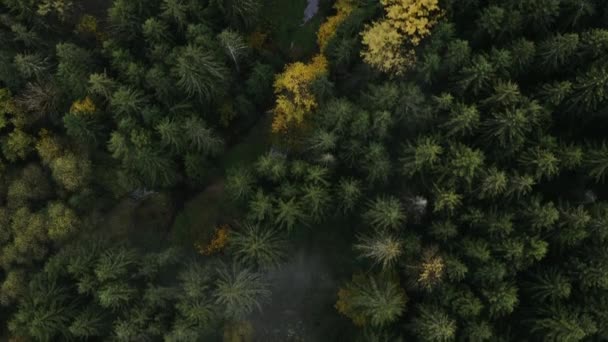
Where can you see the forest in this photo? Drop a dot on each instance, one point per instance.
(304, 170)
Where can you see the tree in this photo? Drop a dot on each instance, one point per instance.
(241, 13)
(374, 300)
(272, 166)
(240, 291)
(17, 145)
(433, 324)
(384, 49)
(31, 65)
(176, 11)
(317, 200)
(239, 184)
(464, 163)
(200, 137)
(424, 154)
(257, 246)
(562, 324)
(477, 75)
(491, 20)
(71, 171)
(154, 168)
(446, 200)
(541, 162)
(509, 128)
(501, 299)
(199, 73)
(126, 101)
(494, 183)
(62, 221)
(377, 164)
(73, 68)
(588, 90)
(295, 99)
(101, 84)
(348, 194)
(261, 207)
(288, 213)
(463, 121)
(550, 285)
(234, 46)
(45, 313)
(407, 23)
(555, 52)
(596, 162)
(385, 213)
(383, 248)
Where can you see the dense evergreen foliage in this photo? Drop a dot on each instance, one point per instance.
(448, 157)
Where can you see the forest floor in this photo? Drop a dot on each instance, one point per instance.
(293, 37)
(305, 288)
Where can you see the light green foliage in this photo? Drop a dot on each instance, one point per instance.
(234, 46)
(71, 171)
(433, 325)
(385, 213)
(382, 248)
(199, 73)
(62, 221)
(240, 291)
(17, 145)
(253, 245)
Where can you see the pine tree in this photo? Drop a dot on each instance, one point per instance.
(433, 324)
(383, 248)
(199, 74)
(256, 246)
(376, 300)
(240, 291)
(385, 213)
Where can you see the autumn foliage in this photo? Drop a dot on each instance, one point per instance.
(218, 241)
(390, 41)
(329, 27)
(295, 99)
(294, 96)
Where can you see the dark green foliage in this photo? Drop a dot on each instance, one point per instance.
(471, 188)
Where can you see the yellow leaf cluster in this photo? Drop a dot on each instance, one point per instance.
(415, 18)
(227, 113)
(390, 42)
(257, 39)
(294, 96)
(238, 331)
(431, 269)
(48, 146)
(343, 306)
(329, 27)
(84, 106)
(384, 49)
(218, 241)
(87, 25)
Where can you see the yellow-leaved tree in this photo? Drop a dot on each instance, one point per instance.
(294, 96)
(390, 42)
(328, 28)
(295, 99)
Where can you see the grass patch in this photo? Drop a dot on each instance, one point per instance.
(144, 222)
(199, 217)
(253, 145)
